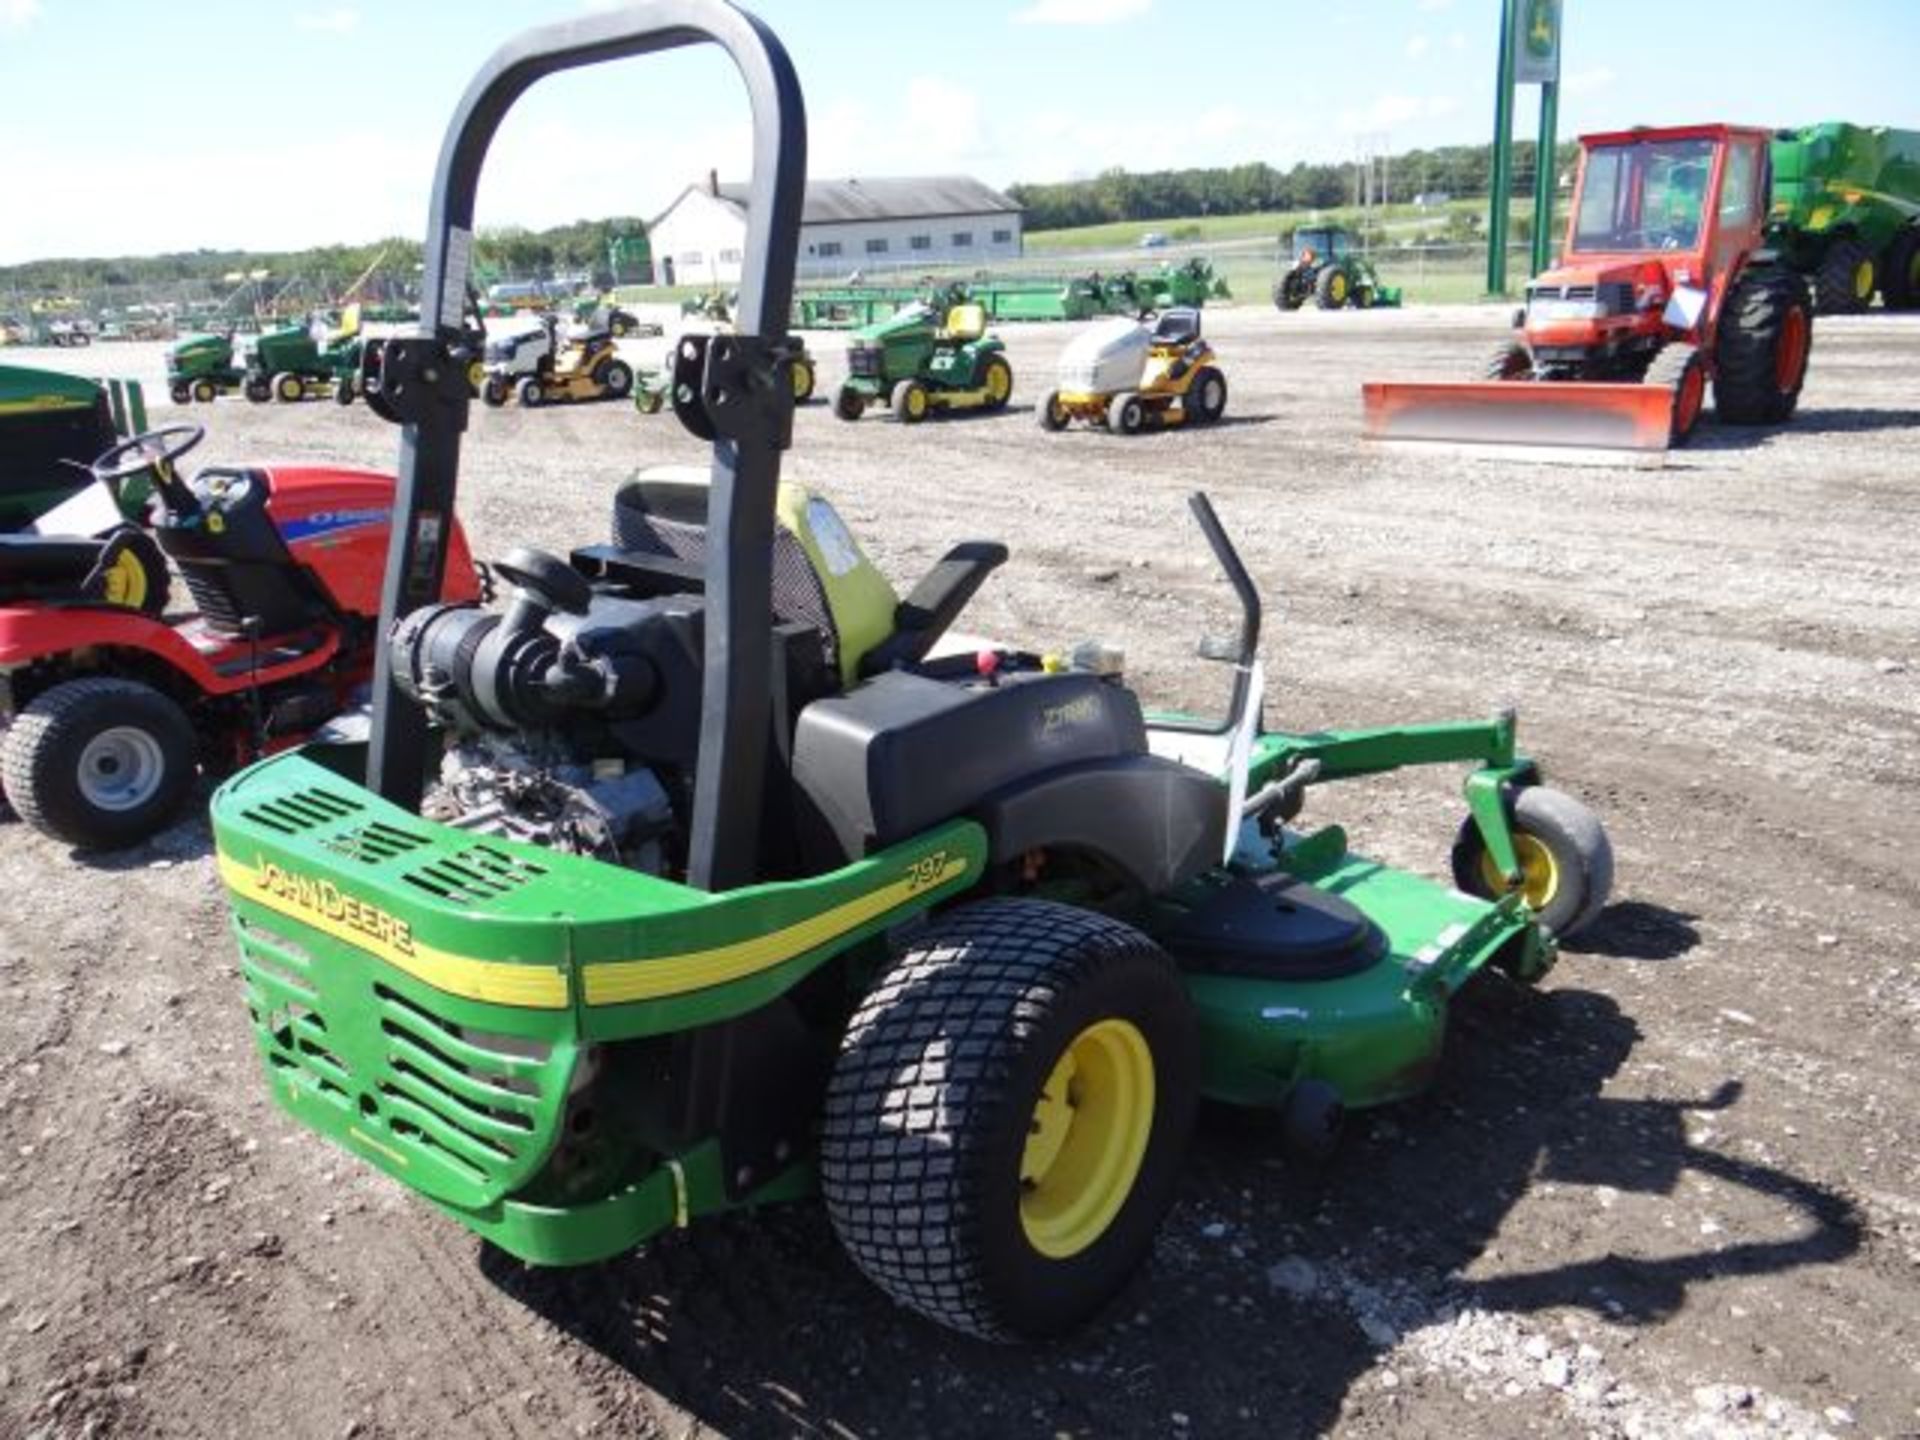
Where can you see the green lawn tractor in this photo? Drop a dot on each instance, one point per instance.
(52, 426)
(922, 358)
(288, 364)
(1330, 269)
(1846, 213)
(201, 368)
(698, 877)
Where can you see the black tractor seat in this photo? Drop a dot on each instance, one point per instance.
(1179, 326)
(75, 569)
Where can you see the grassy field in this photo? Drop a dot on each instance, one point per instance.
(1215, 229)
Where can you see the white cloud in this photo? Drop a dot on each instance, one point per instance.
(340, 20)
(1417, 45)
(1080, 12)
(1589, 81)
(16, 14)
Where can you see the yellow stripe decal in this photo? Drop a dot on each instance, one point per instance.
(626, 980)
(330, 910)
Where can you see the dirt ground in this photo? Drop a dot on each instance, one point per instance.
(1676, 1191)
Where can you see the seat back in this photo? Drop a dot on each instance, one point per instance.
(821, 577)
(1178, 326)
(965, 322)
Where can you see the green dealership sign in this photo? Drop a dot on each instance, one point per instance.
(1536, 42)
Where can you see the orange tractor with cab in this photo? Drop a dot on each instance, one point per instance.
(1663, 290)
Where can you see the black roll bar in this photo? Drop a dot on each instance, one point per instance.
(423, 381)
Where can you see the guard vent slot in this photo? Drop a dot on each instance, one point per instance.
(304, 810)
(476, 874)
(375, 842)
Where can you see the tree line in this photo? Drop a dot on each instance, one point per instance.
(1461, 171)
(509, 252)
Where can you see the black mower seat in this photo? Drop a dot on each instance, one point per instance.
(821, 577)
(1179, 326)
(1039, 760)
(79, 569)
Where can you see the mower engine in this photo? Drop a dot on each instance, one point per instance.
(574, 717)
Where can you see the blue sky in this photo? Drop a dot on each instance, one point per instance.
(139, 125)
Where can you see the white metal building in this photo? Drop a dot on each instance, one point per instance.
(876, 226)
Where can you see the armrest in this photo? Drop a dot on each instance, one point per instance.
(924, 616)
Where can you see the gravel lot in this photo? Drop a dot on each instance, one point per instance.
(1676, 1191)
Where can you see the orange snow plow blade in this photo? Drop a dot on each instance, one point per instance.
(1577, 422)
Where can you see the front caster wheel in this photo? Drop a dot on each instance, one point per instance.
(1566, 860)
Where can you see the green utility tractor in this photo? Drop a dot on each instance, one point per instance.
(52, 427)
(1846, 213)
(923, 358)
(289, 364)
(1188, 285)
(702, 876)
(201, 368)
(1329, 268)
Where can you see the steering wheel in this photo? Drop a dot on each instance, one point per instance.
(153, 450)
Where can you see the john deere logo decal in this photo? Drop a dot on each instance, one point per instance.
(1543, 27)
(328, 900)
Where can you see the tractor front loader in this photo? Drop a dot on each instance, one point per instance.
(1663, 290)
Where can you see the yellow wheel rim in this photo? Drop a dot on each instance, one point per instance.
(1539, 874)
(802, 380)
(916, 403)
(1338, 289)
(1863, 280)
(126, 581)
(1086, 1138)
(999, 383)
(477, 374)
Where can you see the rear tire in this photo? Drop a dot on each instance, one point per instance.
(1510, 362)
(257, 389)
(288, 387)
(1900, 280)
(1847, 278)
(343, 392)
(1765, 339)
(100, 763)
(996, 378)
(1007, 1117)
(1566, 859)
(1209, 395)
(495, 391)
(1682, 371)
(849, 404)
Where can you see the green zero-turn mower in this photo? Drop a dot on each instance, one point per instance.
(695, 878)
(926, 357)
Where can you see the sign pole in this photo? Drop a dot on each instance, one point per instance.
(1546, 177)
(1501, 178)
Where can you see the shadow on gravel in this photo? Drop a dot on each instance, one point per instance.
(1807, 421)
(1272, 1290)
(189, 838)
(1636, 930)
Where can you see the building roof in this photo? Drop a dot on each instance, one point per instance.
(836, 202)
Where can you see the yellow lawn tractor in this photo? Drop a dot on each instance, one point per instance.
(1127, 378)
(585, 367)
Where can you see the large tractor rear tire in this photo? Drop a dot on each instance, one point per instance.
(1847, 279)
(98, 762)
(1566, 860)
(1682, 371)
(1333, 288)
(1900, 280)
(1288, 294)
(1006, 1120)
(1766, 337)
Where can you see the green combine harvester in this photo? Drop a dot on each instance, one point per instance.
(52, 426)
(700, 875)
(1846, 213)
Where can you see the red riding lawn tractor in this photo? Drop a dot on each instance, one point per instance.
(1663, 289)
(111, 706)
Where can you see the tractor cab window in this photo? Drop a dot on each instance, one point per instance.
(1644, 195)
(1739, 190)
